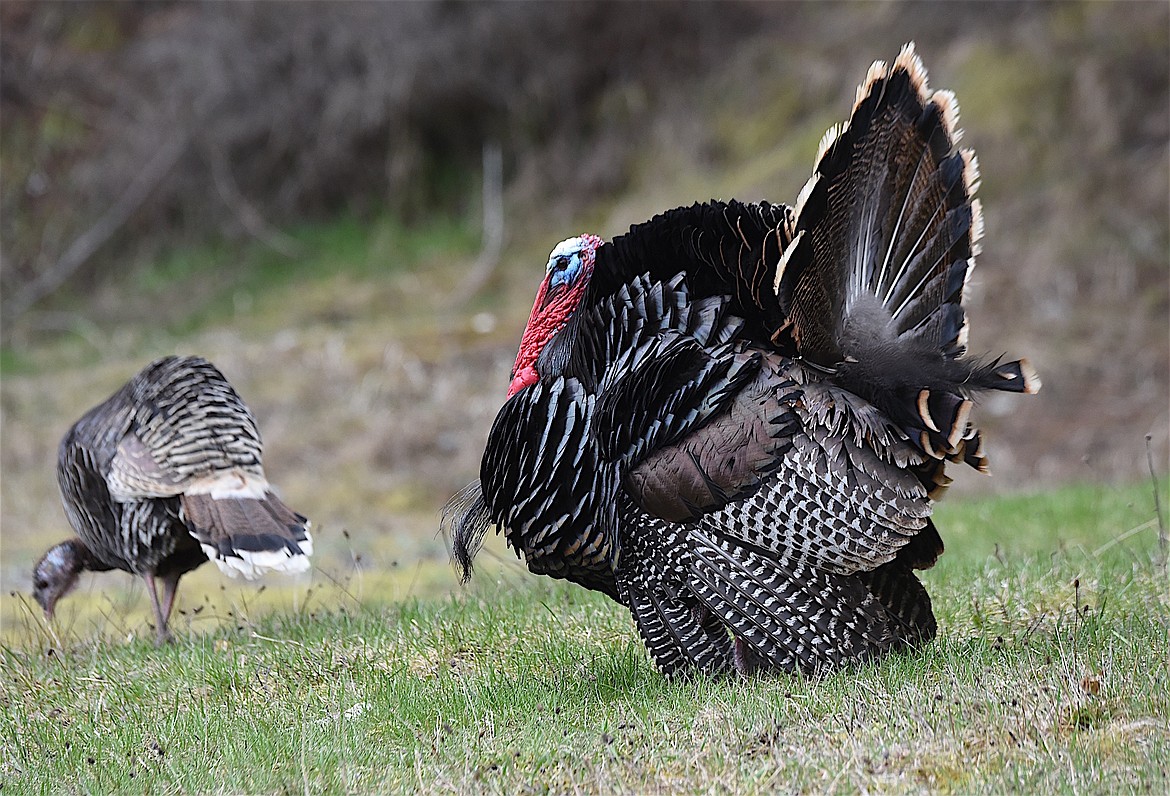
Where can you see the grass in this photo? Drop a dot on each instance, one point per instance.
(379, 273)
(259, 283)
(1049, 675)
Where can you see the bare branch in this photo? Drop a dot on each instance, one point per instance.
(86, 244)
(493, 225)
(245, 212)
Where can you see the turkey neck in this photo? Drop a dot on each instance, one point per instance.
(556, 355)
(88, 559)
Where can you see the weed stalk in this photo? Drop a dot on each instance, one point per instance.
(1163, 536)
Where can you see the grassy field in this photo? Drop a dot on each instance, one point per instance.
(374, 386)
(1050, 675)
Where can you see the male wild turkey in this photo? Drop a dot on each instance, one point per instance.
(162, 476)
(734, 419)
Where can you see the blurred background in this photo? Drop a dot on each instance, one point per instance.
(347, 207)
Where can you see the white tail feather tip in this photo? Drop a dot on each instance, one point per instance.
(908, 59)
(1031, 377)
(949, 109)
(307, 544)
(829, 138)
(877, 71)
(251, 565)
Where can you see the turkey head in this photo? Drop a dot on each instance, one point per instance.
(566, 279)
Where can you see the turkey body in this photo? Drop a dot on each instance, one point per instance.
(735, 418)
(160, 477)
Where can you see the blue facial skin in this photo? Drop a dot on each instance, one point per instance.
(564, 266)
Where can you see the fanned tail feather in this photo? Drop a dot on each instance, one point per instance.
(887, 229)
(249, 537)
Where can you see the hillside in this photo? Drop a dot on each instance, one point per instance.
(373, 369)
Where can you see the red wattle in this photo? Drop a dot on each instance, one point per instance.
(550, 312)
(522, 379)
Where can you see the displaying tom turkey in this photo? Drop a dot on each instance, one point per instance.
(160, 477)
(734, 418)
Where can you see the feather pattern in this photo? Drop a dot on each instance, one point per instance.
(680, 633)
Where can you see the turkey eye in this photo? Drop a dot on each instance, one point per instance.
(562, 263)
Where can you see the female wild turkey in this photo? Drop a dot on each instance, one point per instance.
(162, 476)
(734, 419)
